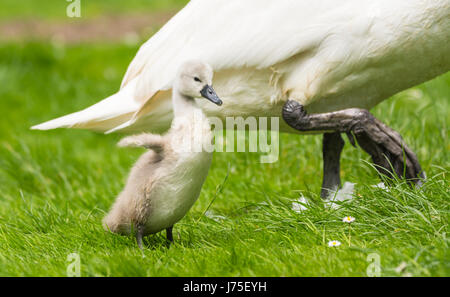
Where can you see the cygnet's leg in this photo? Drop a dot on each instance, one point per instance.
(139, 236)
(169, 234)
(332, 149)
(388, 150)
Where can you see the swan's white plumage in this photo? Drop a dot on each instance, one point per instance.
(111, 111)
(326, 54)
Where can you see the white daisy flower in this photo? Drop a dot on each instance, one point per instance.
(348, 219)
(334, 243)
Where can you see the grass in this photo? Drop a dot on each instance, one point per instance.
(55, 188)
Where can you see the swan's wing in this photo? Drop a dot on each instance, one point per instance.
(156, 45)
(226, 34)
(101, 117)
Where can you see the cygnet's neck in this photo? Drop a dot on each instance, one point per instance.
(183, 104)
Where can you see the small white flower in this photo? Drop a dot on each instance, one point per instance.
(348, 219)
(382, 186)
(334, 243)
(299, 205)
(344, 194)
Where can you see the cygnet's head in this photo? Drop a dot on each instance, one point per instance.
(194, 80)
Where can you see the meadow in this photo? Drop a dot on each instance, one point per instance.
(55, 187)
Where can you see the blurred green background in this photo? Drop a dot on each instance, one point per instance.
(56, 186)
(56, 9)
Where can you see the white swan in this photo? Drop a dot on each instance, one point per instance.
(326, 55)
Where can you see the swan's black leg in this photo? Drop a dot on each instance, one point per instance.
(332, 149)
(139, 236)
(169, 234)
(389, 152)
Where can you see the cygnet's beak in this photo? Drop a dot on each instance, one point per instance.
(209, 93)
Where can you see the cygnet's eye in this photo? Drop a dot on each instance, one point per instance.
(197, 79)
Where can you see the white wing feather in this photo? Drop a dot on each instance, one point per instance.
(228, 34)
(108, 113)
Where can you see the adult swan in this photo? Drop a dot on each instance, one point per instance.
(318, 64)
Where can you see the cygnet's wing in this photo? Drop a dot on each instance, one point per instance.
(149, 141)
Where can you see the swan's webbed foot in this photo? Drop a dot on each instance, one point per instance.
(389, 152)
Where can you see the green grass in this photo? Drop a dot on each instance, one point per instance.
(55, 188)
(56, 9)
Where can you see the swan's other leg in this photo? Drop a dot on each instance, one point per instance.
(388, 150)
(332, 149)
(169, 234)
(139, 236)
